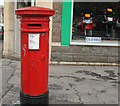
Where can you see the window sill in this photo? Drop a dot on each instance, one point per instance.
(102, 43)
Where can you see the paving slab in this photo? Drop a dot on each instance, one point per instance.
(68, 84)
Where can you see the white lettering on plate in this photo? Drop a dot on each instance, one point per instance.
(93, 39)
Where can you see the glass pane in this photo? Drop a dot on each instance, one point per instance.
(96, 19)
(23, 4)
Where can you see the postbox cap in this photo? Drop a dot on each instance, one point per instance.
(34, 11)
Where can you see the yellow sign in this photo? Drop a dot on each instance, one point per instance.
(109, 9)
(87, 15)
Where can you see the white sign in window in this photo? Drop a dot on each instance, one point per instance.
(93, 39)
(34, 41)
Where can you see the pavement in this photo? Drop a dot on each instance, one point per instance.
(0, 70)
(68, 84)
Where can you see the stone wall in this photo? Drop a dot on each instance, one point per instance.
(85, 54)
(9, 37)
(102, 54)
(56, 34)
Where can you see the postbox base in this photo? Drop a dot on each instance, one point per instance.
(31, 99)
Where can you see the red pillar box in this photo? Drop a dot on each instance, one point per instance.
(34, 54)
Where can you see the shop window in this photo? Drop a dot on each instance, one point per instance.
(96, 21)
(92, 23)
(24, 4)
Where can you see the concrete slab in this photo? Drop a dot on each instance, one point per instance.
(68, 84)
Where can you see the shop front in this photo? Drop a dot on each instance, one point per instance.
(89, 32)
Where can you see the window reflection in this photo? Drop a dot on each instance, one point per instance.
(96, 19)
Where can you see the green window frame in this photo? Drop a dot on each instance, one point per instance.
(66, 22)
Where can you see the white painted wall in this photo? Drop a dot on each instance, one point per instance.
(17, 32)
